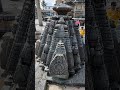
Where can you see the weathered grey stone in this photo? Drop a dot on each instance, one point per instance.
(43, 39)
(6, 45)
(20, 37)
(31, 77)
(63, 51)
(80, 45)
(26, 57)
(61, 34)
(46, 49)
(37, 47)
(59, 66)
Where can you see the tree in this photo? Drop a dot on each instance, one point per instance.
(39, 12)
(44, 4)
(1, 9)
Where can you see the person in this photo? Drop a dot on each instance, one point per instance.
(77, 23)
(112, 13)
(82, 32)
(82, 23)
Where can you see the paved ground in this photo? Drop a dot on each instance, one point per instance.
(40, 80)
(39, 28)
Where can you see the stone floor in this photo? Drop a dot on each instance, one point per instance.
(39, 28)
(40, 79)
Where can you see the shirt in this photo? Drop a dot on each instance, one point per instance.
(82, 32)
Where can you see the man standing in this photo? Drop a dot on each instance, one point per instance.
(82, 34)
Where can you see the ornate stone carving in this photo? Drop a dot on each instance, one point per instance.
(62, 46)
(58, 65)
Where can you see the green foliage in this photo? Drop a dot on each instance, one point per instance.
(44, 3)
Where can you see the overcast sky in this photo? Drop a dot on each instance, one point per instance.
(50, 2)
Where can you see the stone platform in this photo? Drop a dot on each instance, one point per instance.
(42, 81)
(77, 80)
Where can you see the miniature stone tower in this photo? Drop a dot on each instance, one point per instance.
(61, 48)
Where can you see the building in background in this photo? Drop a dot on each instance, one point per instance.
(79, 8)
(48, 11)
(58, 1)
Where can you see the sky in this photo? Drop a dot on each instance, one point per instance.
(50, 2)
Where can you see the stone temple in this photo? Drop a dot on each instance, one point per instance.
(61, 49)
(18, 64)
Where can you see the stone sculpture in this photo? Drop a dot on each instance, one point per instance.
(101, 43)
(20, 36)
(21, 58)
(62, 50)
(6, 45)
(59, 66)
(26, 58)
